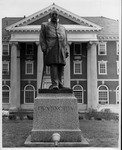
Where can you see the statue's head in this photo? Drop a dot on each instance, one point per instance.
(54, 15)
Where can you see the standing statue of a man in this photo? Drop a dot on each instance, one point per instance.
(53, 41)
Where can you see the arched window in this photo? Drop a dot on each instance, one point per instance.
(5, 94)
(78, 91)
(29, 94)
(117, 95)
(103, 94)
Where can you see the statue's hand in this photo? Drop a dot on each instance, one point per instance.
(45, 53)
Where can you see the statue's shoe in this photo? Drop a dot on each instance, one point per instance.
(54, 87)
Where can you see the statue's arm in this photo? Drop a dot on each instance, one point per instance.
(43, 38)
(66, 45)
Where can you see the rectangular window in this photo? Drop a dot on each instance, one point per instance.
(77, 67)
(117, 48)
(102, 67)
(78, 95)
(117, 67)
(102, 48)
(29, 67)
(5, 69)
(5, 49)
(29, 96)
(77, 49)
(29, 49)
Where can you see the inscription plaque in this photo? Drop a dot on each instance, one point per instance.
(54, 108)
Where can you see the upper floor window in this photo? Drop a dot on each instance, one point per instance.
(103, 94)
(5, 94)
(29, 67)
(102, 67)
(5, 49)
(77, 67)
(29, 94)
(77, 48)
(78, 92)
(117, 95)
(117, 67)
(29, 49)
(5, 69)
(117, 48)
(102, 50)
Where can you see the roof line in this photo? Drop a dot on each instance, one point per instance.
(46, 11)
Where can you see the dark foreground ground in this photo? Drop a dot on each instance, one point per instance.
(98, 133)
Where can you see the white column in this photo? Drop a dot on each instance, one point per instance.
(67, 69)
(92, 76)
(15, 76)
(39, 65)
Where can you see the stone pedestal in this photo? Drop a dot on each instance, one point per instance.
(55, 111)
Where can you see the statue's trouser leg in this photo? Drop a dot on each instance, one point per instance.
(60, 74)
(54, 75)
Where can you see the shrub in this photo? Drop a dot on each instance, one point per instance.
(12, 117)
(30, 116)
(107, 115)
(93, 114)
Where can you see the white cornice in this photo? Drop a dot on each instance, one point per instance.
(61, 11)
(108, 37)
(36, 28)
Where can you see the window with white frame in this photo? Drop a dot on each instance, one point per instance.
(5, 94)
(117, 95)
(78, 67)
(117, 48)
(78, 92)
(102, 50)
(77, 48)
(102, 67)
(29, 67)
(103, 95)
(5, 49)
(29, 94)
(5, 67)
(117, 67)
(29, 49)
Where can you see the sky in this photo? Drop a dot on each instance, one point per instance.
(20, 8)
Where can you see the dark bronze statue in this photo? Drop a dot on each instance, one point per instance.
(53, 41)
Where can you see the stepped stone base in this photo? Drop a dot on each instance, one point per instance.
(83, 143)
(55, 111)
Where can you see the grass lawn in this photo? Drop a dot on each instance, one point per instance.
(98, 133)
